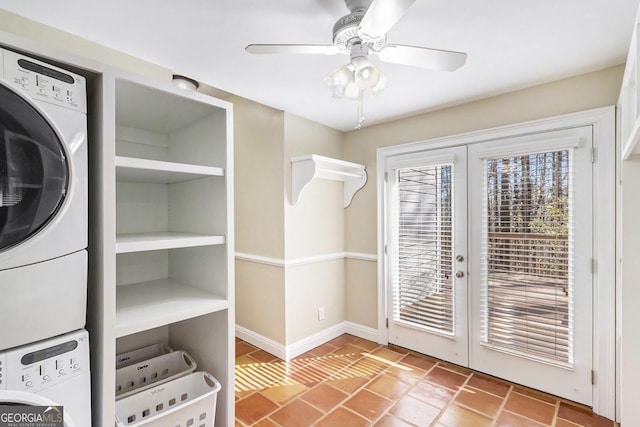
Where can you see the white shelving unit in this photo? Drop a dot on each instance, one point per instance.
(305, 169)
(161, 241)
(629, 101)
(166, 231)
(148, 305)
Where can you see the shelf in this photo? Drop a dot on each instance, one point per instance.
(147, 305)
(140, 242)
(305, 169)
(631, 147)
(154, 171)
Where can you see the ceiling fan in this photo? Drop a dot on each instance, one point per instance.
(362, 32)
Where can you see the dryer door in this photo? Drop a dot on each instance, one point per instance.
(21, 398)
(34, 172)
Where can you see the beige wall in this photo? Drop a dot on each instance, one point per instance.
(564, 96)
(280, 302)
(361, 288)
(314, 226)
(260, 299)
(630, 370)
(259, 201)
(66, 42)
(259, 216)
(311, 286)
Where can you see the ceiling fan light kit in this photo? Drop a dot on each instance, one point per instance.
(359, 75)
(363, 31)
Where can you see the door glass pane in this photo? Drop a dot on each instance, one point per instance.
(33, 170)
(424, 294)
(526, 281)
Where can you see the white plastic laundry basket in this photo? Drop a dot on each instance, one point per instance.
(151, 372)
(188, 401)
(131, 357)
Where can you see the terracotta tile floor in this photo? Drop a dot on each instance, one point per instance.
(354, 382)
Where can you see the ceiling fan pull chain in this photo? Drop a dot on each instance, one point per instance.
(360, 109)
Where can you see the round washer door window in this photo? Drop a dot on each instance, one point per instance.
(33, 170)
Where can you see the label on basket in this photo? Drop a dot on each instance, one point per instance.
(158, 390)
(31, 416)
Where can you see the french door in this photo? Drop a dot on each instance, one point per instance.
(489, 258)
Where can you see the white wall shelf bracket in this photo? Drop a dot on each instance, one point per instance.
(305, 169)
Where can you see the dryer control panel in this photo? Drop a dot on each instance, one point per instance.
(44, 82)
(38, 366)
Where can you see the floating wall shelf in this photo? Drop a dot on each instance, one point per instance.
(305, 169)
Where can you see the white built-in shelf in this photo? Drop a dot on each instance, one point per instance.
(147, 305)
(630, 100)
(305, 169)
(631, 146)
(133, 169)
(140, 242)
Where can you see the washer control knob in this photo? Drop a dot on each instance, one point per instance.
(46, 378)
(61, 372)
(28, 383)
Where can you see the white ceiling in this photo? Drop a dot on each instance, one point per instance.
(511, 44)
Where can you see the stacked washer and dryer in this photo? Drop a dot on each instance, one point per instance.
(44, 350)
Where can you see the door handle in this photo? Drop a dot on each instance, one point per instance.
(459, 274)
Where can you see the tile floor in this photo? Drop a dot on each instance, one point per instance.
(350, 381)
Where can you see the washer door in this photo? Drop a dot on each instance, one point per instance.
(21, 398)
(34, 173)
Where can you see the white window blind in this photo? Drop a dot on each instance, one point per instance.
(424, 294)
(527, 262)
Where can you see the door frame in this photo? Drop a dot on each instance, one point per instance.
(602, 120)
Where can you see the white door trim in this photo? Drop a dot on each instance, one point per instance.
(603, 122)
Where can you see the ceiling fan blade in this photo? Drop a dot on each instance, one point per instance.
(308, 49)
(422, 57)
(380, 17)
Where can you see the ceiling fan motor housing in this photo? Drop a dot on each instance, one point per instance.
(345, 32)
(358, 5)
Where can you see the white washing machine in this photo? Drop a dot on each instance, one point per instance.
(52, 372)
(43, 200)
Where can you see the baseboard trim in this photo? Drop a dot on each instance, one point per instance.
(262, 342)
(288, 352)
(313, 341)
(360, 331)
